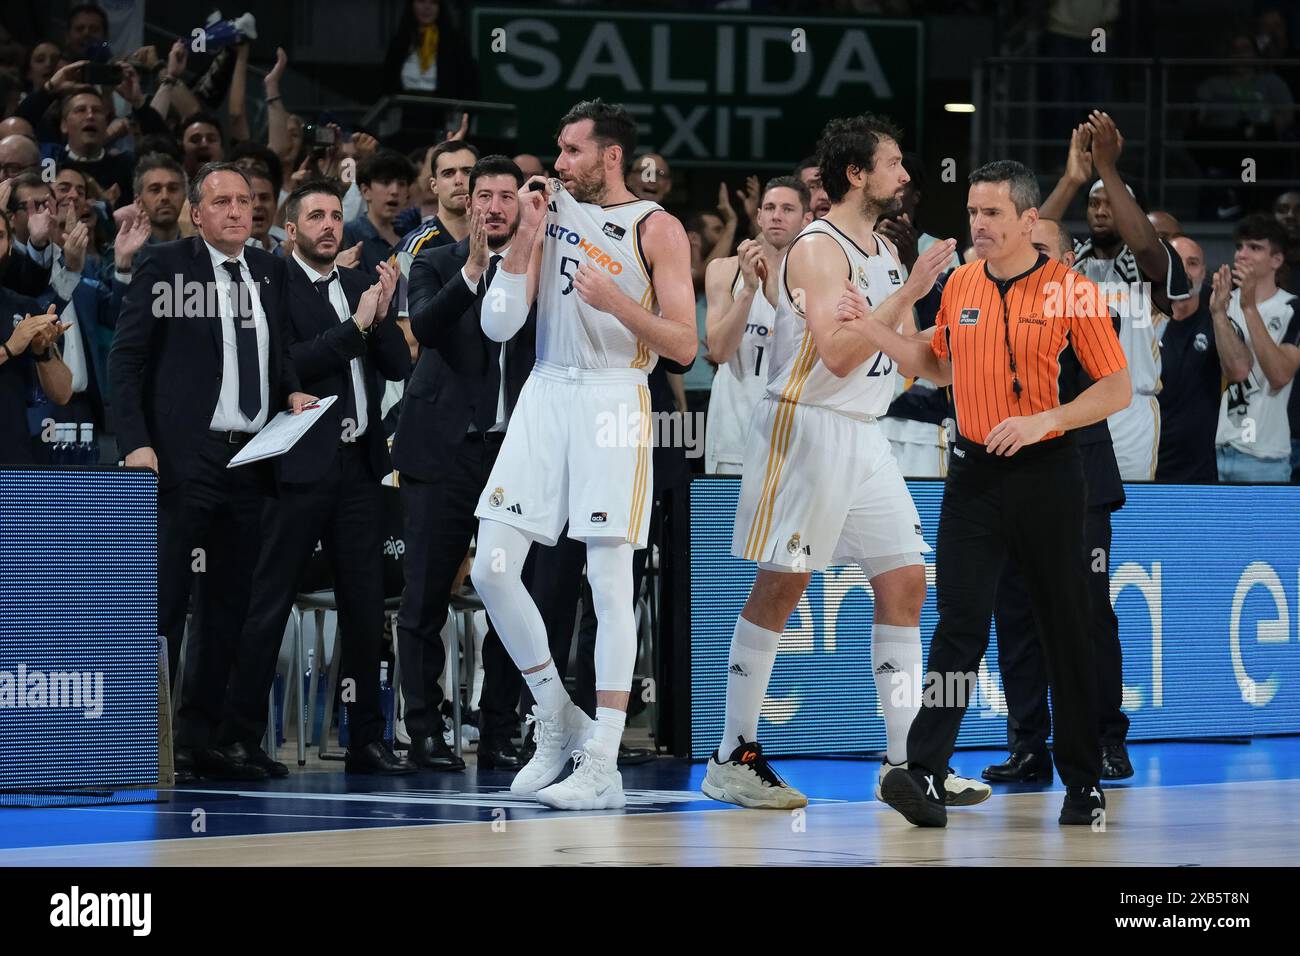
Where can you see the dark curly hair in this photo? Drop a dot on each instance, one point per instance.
(851, 142)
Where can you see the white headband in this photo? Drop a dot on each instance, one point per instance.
(1100, 185)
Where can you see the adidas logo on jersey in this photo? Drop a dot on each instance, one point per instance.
(515, 509)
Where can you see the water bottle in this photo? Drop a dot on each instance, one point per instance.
(306, 691)
(87, 451)
(65, 440)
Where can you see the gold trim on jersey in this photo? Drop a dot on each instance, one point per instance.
(636, 243)
(779, 446)
(642, 357)
(637, 510)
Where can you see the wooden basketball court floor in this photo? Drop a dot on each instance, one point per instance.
(1189, 804)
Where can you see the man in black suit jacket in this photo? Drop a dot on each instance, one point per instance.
(329, 483)
(200, 362)
(453, 419)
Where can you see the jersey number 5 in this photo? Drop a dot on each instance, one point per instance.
(564, 261)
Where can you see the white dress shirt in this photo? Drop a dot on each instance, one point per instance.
(65, 282)
(501, 421)
(342, 310)
(228, 416)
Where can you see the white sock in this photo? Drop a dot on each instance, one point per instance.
(548, 690)
(896, 663)
(608, 732)
(749, 667)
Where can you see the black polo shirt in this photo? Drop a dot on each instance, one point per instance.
(1100, 469)
(17, 377)
(1191, 386)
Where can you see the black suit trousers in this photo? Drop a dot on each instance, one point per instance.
(209, 536)
(439, 523)
(343, 510)
(1020, 655)
(1029, 507)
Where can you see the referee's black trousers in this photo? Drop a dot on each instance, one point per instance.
(1029, 507)
(1020, 655)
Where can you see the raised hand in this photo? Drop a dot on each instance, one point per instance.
(177, 57)
(1078, 162)
(132, 233)
(928, 266)
(902, 234)
(273, 76)
(388, 276)
(75, 242)
(532, 205)
(130, 88)
(1106, 140)
(725, 210)
(753, 267)
(749, 197)
(1220, 290)
(479, 256)
(852, 305)
(349, 258)
(66, 78)
(29, 328)
(1243, 274)
(40, 226)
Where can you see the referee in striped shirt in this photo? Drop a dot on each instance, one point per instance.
(1015, 485)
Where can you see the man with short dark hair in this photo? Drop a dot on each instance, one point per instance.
(160, 185)
(188, 392)
(1191, 379)
(454, 417)
(329, 484)
(84, 125)
(383, 178)
(1258, 336)
(1016, 484)
(201, 142)
(87, 26)
(811, 174)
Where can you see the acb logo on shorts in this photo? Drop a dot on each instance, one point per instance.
(599, 517)
(498, 497)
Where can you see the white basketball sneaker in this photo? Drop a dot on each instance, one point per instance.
(555, 738)
(957, 791)
(748, 780)
(595, 784)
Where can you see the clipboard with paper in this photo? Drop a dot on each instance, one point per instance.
(281, 433)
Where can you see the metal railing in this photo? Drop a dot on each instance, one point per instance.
(1165, 141)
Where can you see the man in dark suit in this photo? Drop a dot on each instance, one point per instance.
(329, 483)
(453, 420)
(200, 362)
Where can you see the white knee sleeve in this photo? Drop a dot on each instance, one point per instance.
(609, 572)
(497, 575)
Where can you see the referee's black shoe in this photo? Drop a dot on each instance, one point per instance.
(1083, 807)
(1021, 767)
(1115, 764)
(917, 795)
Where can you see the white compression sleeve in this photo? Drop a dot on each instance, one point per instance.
(505, 306)
(609, 571)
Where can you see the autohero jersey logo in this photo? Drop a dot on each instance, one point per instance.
(969, 317)
(598, 256)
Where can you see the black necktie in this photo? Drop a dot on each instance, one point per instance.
(323, 285)
(250, 385)
(491, 271)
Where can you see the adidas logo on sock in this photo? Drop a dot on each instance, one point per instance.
(887, 668)
(516, 509)
(737, 670)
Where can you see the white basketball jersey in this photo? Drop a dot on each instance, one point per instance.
(739, 384)
(570, 332)
(1139, 323)
(797, 373)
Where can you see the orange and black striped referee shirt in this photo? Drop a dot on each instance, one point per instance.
(1037, 314)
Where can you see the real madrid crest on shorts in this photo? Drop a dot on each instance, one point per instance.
(497, 498)
(793, 544)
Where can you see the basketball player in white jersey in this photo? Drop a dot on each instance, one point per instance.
(611, 277)
(1141, 275)
(741, 292)
(820, 484)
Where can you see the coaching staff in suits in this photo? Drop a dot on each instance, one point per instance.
(330, 485)
(199, 363)
(1020, 655)
(1015, 486)
(453, 420)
